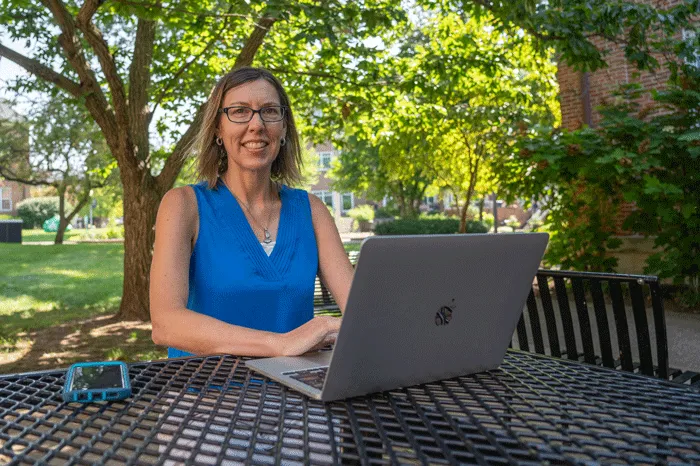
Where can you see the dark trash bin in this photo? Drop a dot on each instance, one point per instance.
(10, 231)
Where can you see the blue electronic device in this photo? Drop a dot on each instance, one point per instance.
(97, 381)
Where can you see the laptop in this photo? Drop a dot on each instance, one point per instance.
(421, 308)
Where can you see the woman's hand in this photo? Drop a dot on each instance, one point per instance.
(313, 335)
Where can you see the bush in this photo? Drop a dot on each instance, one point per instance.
(434, 215)
(36, 210)
(427, 226)
(386, 212)
(418, 226)
(362, 213)
(512, 222)
(535, 223)
(475, 226)
(92, 235)
(488, 220)
(114, 232)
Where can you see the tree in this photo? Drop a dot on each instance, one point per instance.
(384, 155)
(487, 84)
(649, 157)
(65, 151)
(465, 90)
(644, 31)
(124, 60)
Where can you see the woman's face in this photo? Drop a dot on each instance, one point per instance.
(253, 145)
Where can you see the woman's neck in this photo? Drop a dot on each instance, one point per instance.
(253, 189)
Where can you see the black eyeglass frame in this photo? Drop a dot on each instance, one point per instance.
(282, 108)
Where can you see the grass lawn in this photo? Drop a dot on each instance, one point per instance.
(57, 306)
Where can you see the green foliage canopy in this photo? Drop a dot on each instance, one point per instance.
(650, 156)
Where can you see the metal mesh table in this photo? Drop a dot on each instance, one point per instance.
(212, 410)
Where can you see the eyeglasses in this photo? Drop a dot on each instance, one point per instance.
(241, 114)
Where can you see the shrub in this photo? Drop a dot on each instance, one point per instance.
(418, 226)
(362, 213)
(36, 210)
(427, 226)
(115, 232)
(92, 235)
(488, 220)
(475, 226)
(535, 223)
(434, 215)
(386, 212)
(512, 222)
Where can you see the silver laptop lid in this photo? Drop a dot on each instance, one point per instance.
(430, 307)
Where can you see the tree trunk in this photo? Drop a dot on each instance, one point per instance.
(66, 219)
(62, 225)
(141, 201)
(463, 217)
(481, 209)
(61, 214)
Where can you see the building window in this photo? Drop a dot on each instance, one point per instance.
(348, 201)
(5, 199)
(325, 196)
(429, 200)
(448, 199)
(689, 37)
(324, 160)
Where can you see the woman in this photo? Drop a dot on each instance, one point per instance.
(236, 255)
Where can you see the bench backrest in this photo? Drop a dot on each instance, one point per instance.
(598, 318)
(323, 301)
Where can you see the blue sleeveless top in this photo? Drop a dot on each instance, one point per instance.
(234, 280)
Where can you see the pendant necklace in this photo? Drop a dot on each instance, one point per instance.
(266, 231)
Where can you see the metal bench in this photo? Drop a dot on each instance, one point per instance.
(614, 332)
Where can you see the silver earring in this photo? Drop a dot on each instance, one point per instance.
(219, 141)
(283, 141)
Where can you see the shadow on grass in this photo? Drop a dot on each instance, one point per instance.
(94, 339)
(42, 286)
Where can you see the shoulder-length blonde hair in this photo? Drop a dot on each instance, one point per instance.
(211, 158)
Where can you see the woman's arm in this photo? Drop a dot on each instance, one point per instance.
(335, 269)
(175, 325)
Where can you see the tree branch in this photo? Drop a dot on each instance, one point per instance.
(174, 163)
(262, 27)
(9, 175)
(139, 83)
(159, 6)
(95, 100)
(42, 71)
(99, 45)
(171, 83)
(318, 74)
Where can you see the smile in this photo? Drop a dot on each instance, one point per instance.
(255, 144)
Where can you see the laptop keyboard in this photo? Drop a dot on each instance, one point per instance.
(313, 377)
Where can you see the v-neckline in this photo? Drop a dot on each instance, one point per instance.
(276, 264)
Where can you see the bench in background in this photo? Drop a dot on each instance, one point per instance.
(601, 319)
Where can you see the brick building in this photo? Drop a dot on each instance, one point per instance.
(341, 202)
(10, 192)
(580, 93)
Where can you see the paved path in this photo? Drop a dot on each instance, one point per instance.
(683, 331)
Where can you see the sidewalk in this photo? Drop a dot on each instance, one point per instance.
(354, 236)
